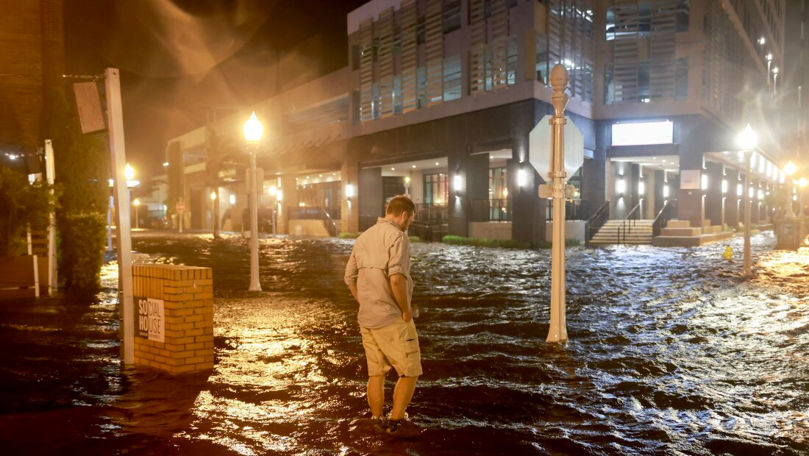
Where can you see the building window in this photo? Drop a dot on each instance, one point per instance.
(498, 195)
(635, 20)
(397, 94)
(422, 100)
(436, 189)
(452, 78)
(543, 60)
(451, 11)
(376, 101)
(498, 183)
(511, 61)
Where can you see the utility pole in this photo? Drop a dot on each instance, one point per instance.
(50, 175)
(115, 122)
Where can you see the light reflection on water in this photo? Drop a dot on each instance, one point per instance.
(669, 352)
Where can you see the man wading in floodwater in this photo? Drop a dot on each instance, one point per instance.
(378, 275)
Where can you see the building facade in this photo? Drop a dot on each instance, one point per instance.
(439, 97)
(31, 63)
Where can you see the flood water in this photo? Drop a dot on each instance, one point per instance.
(669, 353)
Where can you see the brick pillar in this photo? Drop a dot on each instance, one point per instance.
(173, 317)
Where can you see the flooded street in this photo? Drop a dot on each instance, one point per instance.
(669, 353)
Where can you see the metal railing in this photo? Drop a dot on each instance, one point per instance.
(574, 210)
(596, 221)
(628, 222)
(431, 214)
(490, 210)
(314, 213)
(663, 216)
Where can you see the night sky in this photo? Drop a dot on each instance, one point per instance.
(181, 59)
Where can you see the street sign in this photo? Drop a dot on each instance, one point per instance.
(540, 153)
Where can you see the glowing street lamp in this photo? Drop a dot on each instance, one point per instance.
(790, 168)
(747, 140)
(253, 130)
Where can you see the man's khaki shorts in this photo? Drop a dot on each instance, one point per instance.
(394, 345)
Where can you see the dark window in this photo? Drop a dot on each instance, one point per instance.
(451, 10)
(452, 78)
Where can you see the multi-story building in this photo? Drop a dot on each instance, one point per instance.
(439, 97)
(31, 64)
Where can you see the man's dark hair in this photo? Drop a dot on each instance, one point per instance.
(399, 204)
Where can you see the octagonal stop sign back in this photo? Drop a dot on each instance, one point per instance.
(539, 148)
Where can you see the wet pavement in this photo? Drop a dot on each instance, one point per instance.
(669, 353)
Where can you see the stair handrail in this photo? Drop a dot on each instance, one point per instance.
(329, 222)
(596, 221)
(628, 222)
(663, 216)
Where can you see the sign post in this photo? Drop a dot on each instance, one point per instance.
(50, 175)
(555, 161)
(115, 121)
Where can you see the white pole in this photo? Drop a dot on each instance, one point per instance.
(746, 201)
(115, 122)
(36, 266)
(50, 169)
(255, 285)
(558, 325)
(36, 276)
(109, 223)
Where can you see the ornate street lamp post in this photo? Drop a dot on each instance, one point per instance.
(253, 131)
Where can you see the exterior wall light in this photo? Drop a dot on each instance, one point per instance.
(641, 188)
(724, 186)
(457, 183)
(349, 191)
(213, 196)
(760, 194)
(704, 182)
(522, 178)
(620, 186)
(232, 199)
(280, 195)
(273, 190)
(750, 192)
(738, 189)
(665, 191)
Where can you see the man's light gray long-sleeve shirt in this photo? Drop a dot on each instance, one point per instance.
(380, 252)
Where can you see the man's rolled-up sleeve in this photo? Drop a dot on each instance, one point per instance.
(396, 256)
(351, 270)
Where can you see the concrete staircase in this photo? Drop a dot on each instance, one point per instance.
(680, 233)
(637, 232)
